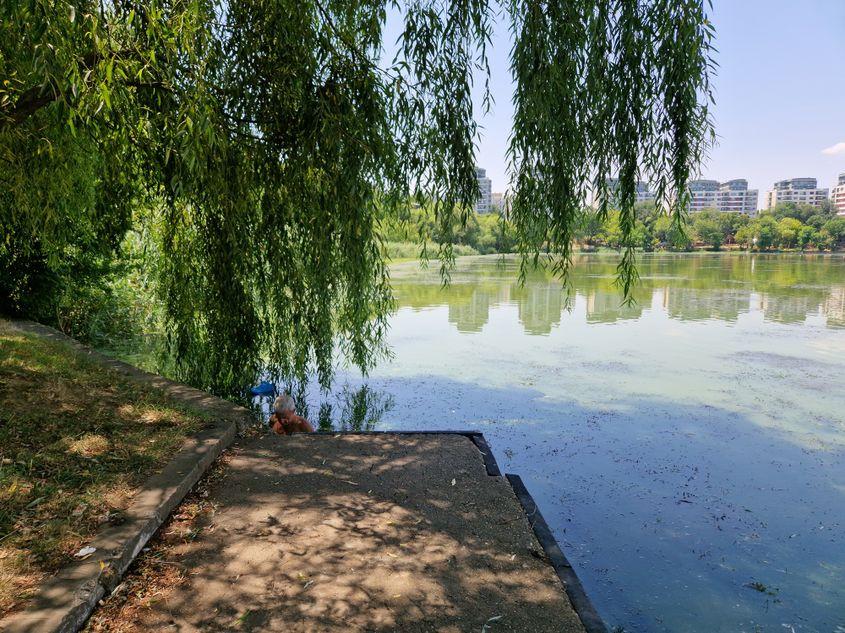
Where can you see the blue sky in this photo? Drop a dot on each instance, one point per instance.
(780, 93)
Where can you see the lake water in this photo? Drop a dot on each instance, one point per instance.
(688, 451)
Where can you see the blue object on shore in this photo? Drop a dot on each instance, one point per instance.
(263, 389)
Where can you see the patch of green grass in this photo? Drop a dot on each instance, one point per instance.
(76, 441)
(410, 251)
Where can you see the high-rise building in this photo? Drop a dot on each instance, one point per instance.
(797, 191)
(837, 196)
(732, 195)
(501, 203)
(486, 188)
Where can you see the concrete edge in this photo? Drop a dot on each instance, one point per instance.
(487, 454)
(574, 589)
(65, 601)
(476, 437)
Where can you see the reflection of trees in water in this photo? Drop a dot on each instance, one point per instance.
(357, 410)
(692, 287)
(834, 307)
(694, 304)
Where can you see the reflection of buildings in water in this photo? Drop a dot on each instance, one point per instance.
(788, 309)
(698, 304)
(472, 315)
(539, 306)
(607, 307)
(834, 306)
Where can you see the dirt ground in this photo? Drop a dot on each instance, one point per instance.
(345, 533)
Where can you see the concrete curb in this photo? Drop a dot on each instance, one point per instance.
(65, 601)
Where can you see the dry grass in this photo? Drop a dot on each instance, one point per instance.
(76, 440)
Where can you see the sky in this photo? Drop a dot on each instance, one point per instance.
(780, 94)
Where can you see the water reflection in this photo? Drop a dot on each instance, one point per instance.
(351, 409)
(784, 288)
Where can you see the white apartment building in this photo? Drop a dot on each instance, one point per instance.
(732, 195)
(797, 191)
(644, 194)
(837, 196)
(486, 188)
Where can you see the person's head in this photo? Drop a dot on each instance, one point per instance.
(284, 404)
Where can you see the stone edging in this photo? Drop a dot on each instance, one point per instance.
(64, 602)
(572, 585)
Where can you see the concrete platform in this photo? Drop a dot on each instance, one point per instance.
(375, 532)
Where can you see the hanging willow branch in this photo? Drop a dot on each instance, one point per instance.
(279, 137)
(604, 88)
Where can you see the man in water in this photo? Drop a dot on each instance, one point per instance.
(284, 420)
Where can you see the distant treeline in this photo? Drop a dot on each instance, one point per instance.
(480, 234)
(786, 227)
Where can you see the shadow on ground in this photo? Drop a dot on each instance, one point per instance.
(360, 533)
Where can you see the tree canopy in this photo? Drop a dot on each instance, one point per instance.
(259, 146)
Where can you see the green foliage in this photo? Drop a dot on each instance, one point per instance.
(655, 229)
(788, 231)
(709, 232)
(474, 234)
(411, 250)
(781, 228)
(835, 227)
(807, 235)
(802, 212)
(669, 235)
(258, 147)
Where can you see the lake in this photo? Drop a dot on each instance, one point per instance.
(688, 451)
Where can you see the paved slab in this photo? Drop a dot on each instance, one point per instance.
(360, 533)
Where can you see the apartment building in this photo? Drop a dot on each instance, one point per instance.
(837, 196)
(644, 194)
(732, 195)
(797, 191)
(484, 204)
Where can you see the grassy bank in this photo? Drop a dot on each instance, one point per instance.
(405, 251)
(76, 440)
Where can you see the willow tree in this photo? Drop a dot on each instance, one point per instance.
(262, 143)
